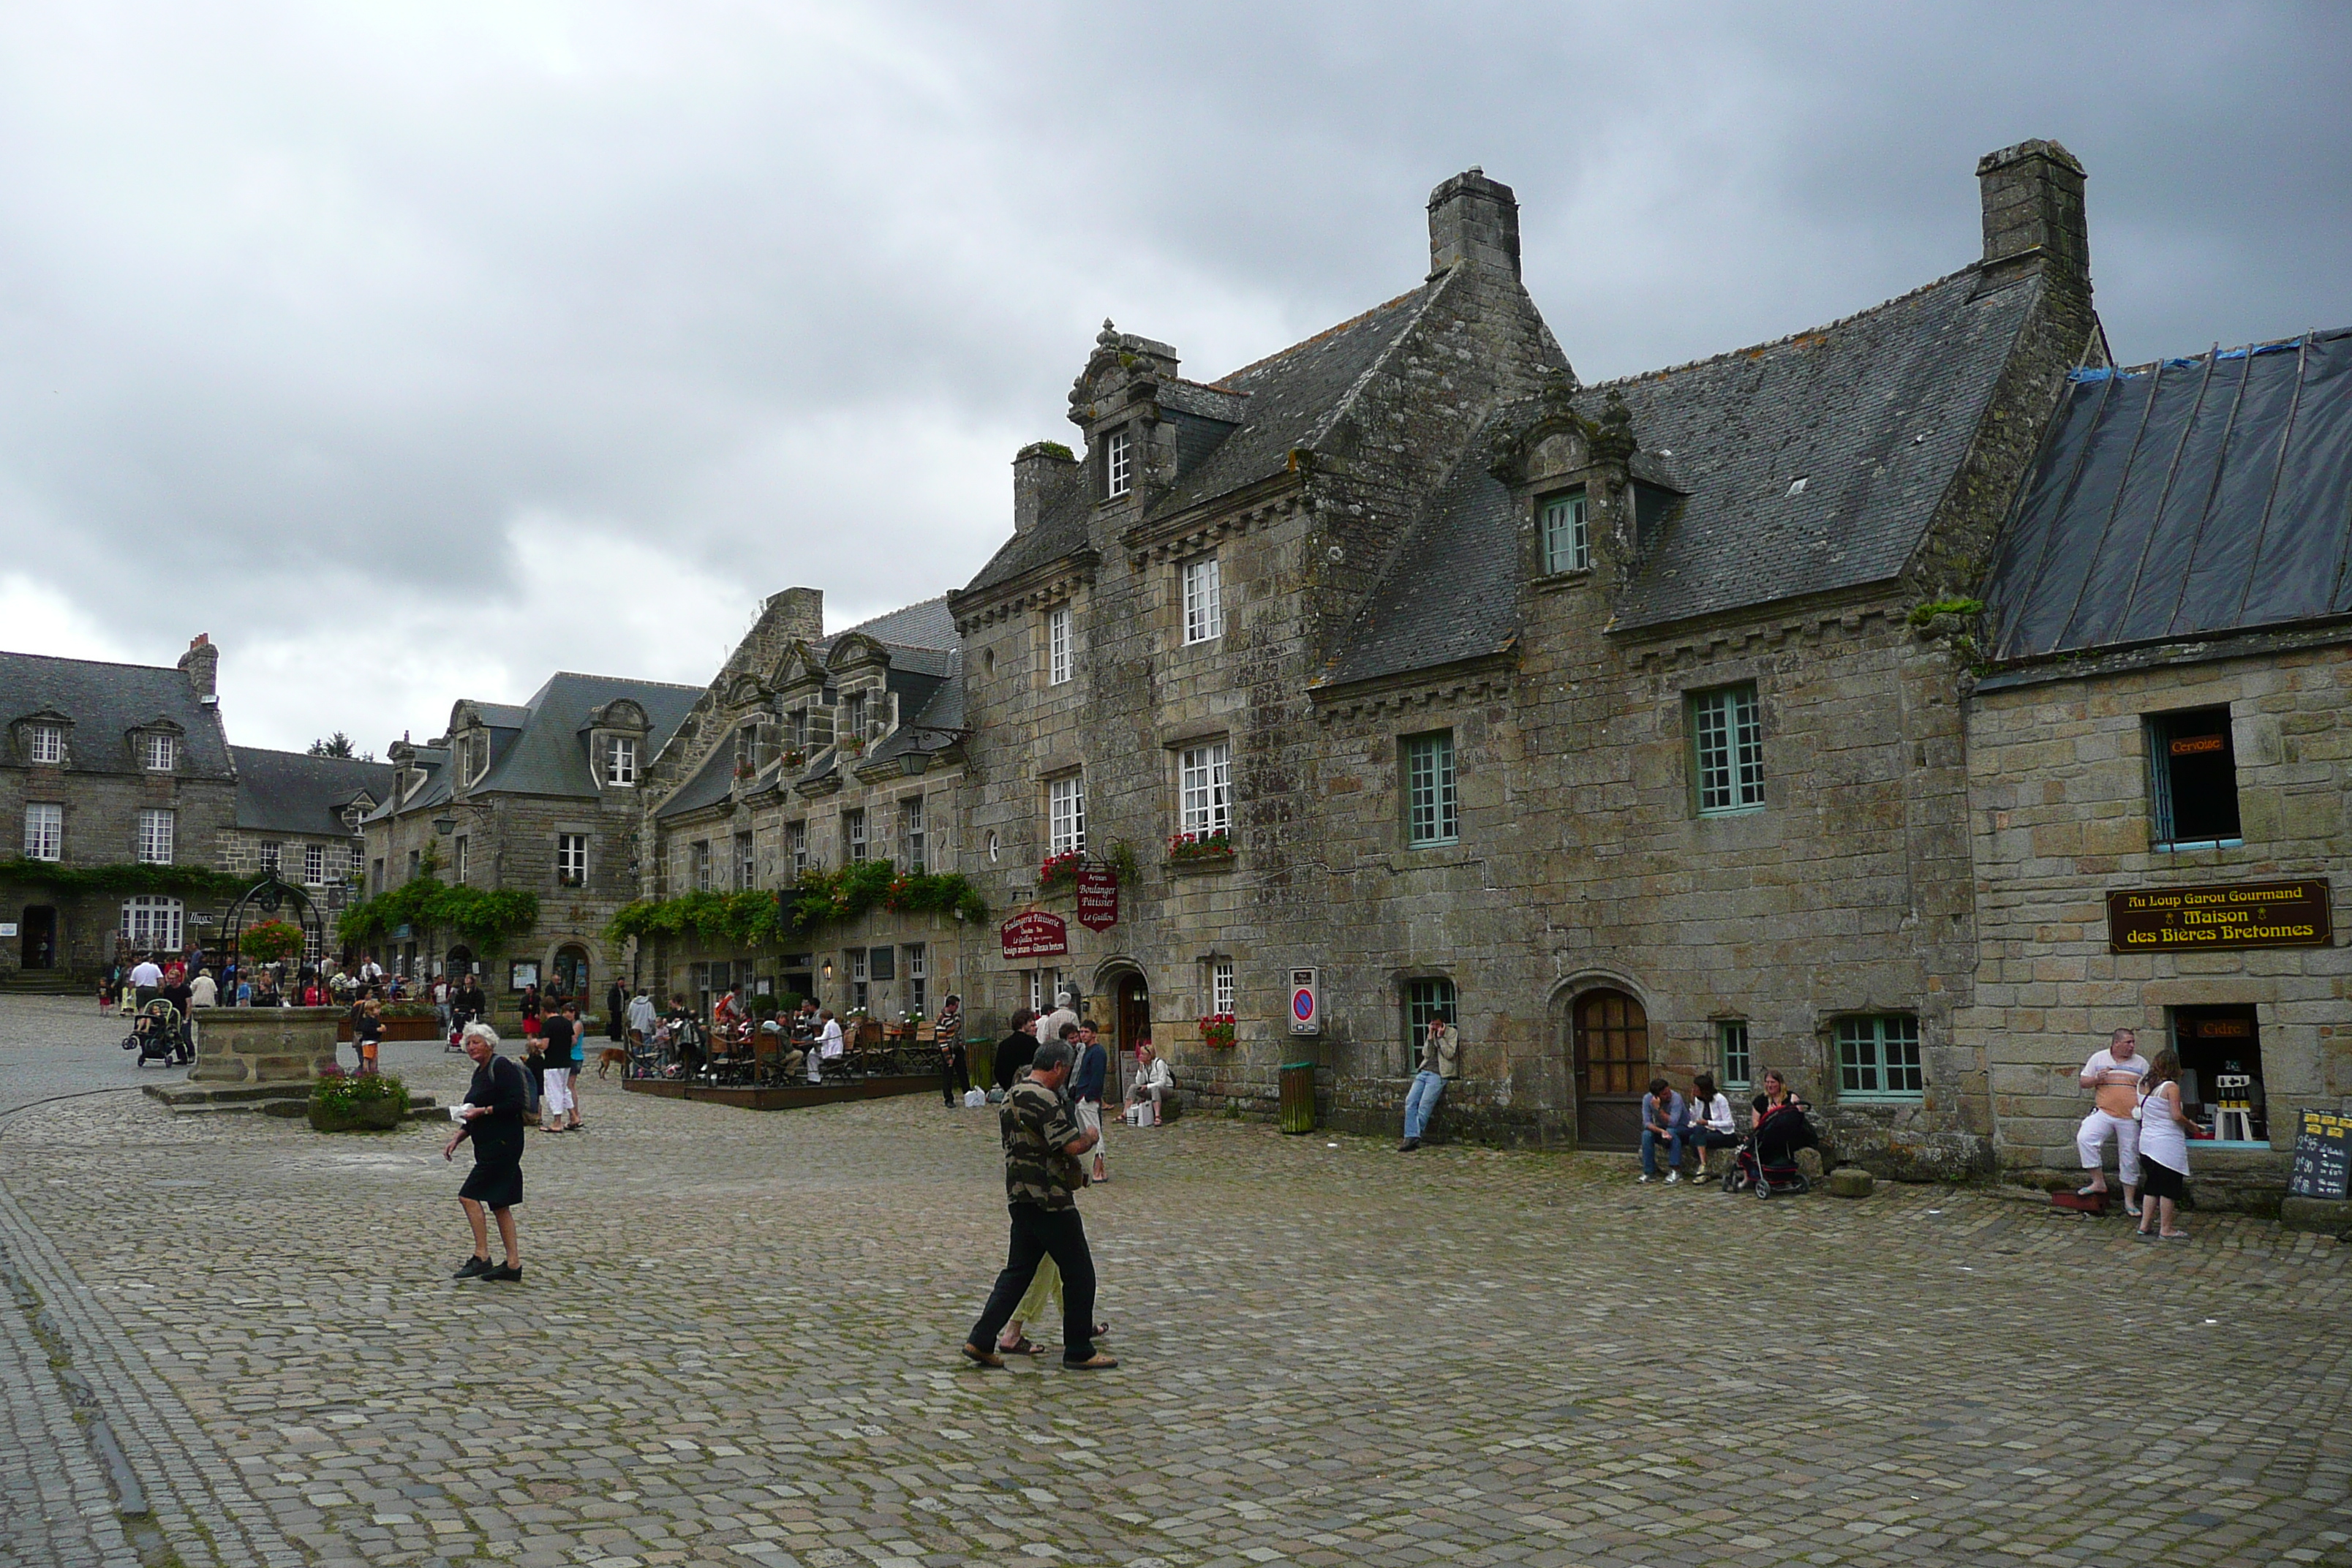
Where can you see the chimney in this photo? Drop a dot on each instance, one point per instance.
(1473, 221)
(796, 615)
(201, 665)
(1041, 471)
(2034, 208)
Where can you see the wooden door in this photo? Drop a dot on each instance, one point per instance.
(1611, 1045)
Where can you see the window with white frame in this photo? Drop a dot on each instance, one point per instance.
(1727, 750)
(1878, 1058)
(797, 845)
(459, 860)
(1118, 463)
(1567, 543)
(1205, 793)
(45, 743)
(159, 754)
(273, 856)
(1057, 647)
(156, 834)
(1221, 987)
(918, 976)
(912, 842)
(1205, 600)
(572, 859)
(351, 853)
(853, 717)
(1734, 1064)
(853, 837)
(1432, 810)
(621, 762)
(152, 922)
(746, 864)
(858, 984)
(44, 832)
(699, 865)
(314, 865)
(1065, 815)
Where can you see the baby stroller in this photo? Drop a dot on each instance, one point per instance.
(159, 1034)
(1766, 1163)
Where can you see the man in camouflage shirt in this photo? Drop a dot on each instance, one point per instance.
(1043, 1143)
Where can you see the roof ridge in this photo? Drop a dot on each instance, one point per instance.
(1783, 339)
(109, 663)
(584, 674)
(1219, 383)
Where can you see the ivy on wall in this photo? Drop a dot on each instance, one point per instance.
(174, 881)
(818, 899)
(484, 917)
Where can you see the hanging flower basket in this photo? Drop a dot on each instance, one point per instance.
(1217, 1031)
(1060, 870)
(269, 942)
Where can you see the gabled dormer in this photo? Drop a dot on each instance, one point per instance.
(470, 746)
(616, 733)
(864, 708)
(408, 772)
(1131, 451)
(1572, 491)
(158, 746)
(43, 739)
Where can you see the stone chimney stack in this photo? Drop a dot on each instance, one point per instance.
(1473, 221)
(795, 614)
(2034, 209)
(1041, 471)
(201, 663)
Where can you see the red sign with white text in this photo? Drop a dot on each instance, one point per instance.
(1035, 935)
(1098, 899)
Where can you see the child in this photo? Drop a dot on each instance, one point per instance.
(368, 1034)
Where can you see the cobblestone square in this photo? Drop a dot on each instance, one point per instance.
(735, 1343)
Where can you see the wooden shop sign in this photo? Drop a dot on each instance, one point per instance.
(1036, 934)
(2226, 915)
(1098, 899)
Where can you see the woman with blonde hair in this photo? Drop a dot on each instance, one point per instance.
(2163, 1148)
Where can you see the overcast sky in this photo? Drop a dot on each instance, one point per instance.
(416, 350)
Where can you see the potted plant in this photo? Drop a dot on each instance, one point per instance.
(1196, 849)
(270, 941)
(1060, 870)
(1217, 1031)
(341, 1102)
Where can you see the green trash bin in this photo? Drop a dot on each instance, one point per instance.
(1298, 1101)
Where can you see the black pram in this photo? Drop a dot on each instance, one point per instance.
(1766, 1162)
(159, 1033)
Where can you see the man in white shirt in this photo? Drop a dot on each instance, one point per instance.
(829, 1046)
(642, 1018)
(1049, 1028)
(146, 979)
(2113, 1077)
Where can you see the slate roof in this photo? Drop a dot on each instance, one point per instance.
(2190, 497)
(549, 753)
(291, 792)
(1292, 399)
(105, 703)
(927, 624)
(1874, 412)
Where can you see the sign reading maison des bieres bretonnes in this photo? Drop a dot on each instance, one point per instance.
(2227, 915)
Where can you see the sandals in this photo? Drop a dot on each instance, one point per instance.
(1024, 1345)
(978, 1357)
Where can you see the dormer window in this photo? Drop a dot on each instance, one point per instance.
(159, 754)
(621, 762)
(45, 743)
(1119, 464)
(477, 755)
(1566, 538)
(853, 717)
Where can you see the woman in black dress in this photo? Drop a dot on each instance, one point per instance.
(492, 1116)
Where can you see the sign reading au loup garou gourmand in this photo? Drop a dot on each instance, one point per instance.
(1035, 934)
(2225, 915)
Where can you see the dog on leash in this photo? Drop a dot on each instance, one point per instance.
(610, 1057)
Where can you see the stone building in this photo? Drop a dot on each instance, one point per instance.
(2161, 750)
(809, 754)
(123, 774)
(1587, 717)
(540, 798)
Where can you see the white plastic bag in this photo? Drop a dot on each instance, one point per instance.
(973, 1099)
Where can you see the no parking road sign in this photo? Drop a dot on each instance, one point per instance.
(1305, 1003)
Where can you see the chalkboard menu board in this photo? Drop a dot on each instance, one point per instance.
(2323, 1157)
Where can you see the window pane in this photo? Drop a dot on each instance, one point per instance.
(1204, 789)
(1058, 648)
(2193, 777)
(155, 838)
(1728, 746)
(44, 827)
(1118, 463)
(1567, 546)
(1221, 987)
(1731, 1042)
(1431, 814)
(1205, 612)
(47, 743)
(1066, 815)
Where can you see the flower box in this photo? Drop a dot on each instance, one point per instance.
(1217, 1031)
(1060, 870)
(1199, 851)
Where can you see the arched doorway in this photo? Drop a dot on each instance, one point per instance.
(569, 980)
(459, 963)
(1610, 1038)
(1126, 997)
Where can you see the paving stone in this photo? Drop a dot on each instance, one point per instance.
(735, 1343)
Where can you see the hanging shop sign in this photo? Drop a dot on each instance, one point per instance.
(1098, 899)
(2223, 916)
(1036, 934)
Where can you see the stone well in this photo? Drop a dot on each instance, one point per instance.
(263, 1044)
